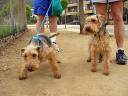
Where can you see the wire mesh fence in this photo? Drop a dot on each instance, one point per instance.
(12, 17)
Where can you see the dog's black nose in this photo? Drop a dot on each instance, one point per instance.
(30, 69)
(88, 29)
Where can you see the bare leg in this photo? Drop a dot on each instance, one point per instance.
(53, 23)
(117, 14)
(53, 30)
(39, 21)
(102, 6)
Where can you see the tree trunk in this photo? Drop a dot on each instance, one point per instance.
(81, 16)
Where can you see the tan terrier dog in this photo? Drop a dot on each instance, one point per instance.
(38, 50)
(99, 44)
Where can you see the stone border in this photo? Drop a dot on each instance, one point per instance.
(8, 39)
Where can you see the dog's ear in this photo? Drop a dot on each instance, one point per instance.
(84, 31)
(87, 18)
(22, 50)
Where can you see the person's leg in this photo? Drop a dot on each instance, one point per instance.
(117, 14)
(53, 30)
(53, 26)
(38, 23)
(40, 9)
(102, 6)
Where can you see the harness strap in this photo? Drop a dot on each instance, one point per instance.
(40, 39)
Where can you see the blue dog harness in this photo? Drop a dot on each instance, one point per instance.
(40, 39)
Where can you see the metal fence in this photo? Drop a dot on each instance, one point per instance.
(12, 17)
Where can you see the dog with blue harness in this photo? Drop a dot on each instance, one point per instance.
(38, 50)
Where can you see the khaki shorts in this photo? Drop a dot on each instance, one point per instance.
(104, 1)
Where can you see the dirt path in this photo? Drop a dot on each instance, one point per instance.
(77, 80)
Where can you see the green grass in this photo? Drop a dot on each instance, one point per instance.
(6, 30)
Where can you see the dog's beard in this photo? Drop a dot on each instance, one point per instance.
(32, 67)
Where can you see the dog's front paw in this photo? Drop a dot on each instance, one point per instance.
(106, 73)
(88, 60)
(93, 70)
(57, 75)
(22, 77)
(58, 61)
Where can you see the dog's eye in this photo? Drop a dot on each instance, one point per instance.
(93, 20)
(34, 55)
(25, 56)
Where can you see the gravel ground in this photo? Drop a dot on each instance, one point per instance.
(77, 80)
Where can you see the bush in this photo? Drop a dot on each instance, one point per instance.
(6, 30)
(5, 10)
(30, 18)
(28, 12)
(125, 13)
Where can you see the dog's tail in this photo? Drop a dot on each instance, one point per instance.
(56, 34)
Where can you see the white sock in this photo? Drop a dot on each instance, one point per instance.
(53, 39)
(120, 49)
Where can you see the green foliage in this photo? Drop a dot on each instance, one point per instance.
(125, 9)
(28, 11)
(11, 17)
(30, 3)
(5, 10)
(65, 4)
(5, 31)
(30, 20)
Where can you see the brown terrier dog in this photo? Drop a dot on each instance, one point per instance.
(38, 50)
(99, 45)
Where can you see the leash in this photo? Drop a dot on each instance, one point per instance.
(46, 15)
(54, 35)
